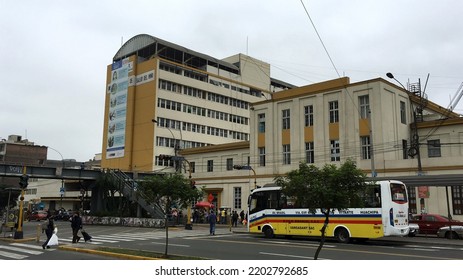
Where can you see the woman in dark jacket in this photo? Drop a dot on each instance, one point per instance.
(76, 225)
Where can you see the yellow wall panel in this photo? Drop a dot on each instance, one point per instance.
(334, 131)
(364, 129)
(286, 137)
(261, 140)
(308, 134)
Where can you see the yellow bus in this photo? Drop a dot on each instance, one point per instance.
(383, 213)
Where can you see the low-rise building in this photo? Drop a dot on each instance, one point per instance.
(389, 131)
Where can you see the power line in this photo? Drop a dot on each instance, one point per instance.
(320, 38)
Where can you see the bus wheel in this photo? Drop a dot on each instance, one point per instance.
(268, 232)
(342, 235)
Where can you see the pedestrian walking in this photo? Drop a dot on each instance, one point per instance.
(212, 221)
(49, 232)
(223, 216)
(235, 218)
(242, 216)
(76, 225)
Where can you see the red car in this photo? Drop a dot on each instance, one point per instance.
(431, 223)
(38, 215)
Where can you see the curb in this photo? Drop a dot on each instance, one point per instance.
(12, 240)
(109, 254)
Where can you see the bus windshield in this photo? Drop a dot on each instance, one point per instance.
(398, 193)
(267, 200)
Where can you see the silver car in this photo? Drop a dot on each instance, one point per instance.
(414, 230)
(456, 233)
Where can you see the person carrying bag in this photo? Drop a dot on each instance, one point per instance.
(49, 231)
(76, 225)
(86, 236)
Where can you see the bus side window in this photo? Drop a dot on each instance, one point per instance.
(372, 197)
(272, 201)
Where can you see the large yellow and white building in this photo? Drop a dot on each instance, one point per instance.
(164, 99)
(195, 100)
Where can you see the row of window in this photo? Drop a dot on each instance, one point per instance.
(202, 94)
(175, 143)
(434, 150)
(186, 72)
(333, 111)
(200, 111)
(203, 129)
(204, 77)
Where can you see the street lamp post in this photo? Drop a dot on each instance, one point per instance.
(247, 167)
(62, 189)
(189, 225)
(415, 143)
(176, 146)
(177, 159)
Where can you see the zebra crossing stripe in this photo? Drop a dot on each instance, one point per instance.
(133, 236)
(22, 250)
(30, 246)
(103, 240)
(139, 235)
(112, 237)
(69, 242)
(12, 255)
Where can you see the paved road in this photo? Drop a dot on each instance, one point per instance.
(142, 238)
(101, 236)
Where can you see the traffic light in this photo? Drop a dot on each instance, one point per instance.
(239, 167)
(23, 181)
(193, 184)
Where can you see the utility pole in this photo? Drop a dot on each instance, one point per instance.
(23, 182)
(372, 154)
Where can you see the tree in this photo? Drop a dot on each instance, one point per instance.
(167, 190)
(329, 188)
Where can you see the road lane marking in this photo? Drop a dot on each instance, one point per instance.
(292, 243)
(170, 244)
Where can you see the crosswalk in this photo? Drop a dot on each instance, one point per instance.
(18, 251)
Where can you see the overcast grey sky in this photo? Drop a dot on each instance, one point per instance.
(54, 53)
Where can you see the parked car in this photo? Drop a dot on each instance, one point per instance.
(431, 223)
(38, 215)
(456, 233)
(414, 230)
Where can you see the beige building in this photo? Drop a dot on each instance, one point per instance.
(371, 121)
